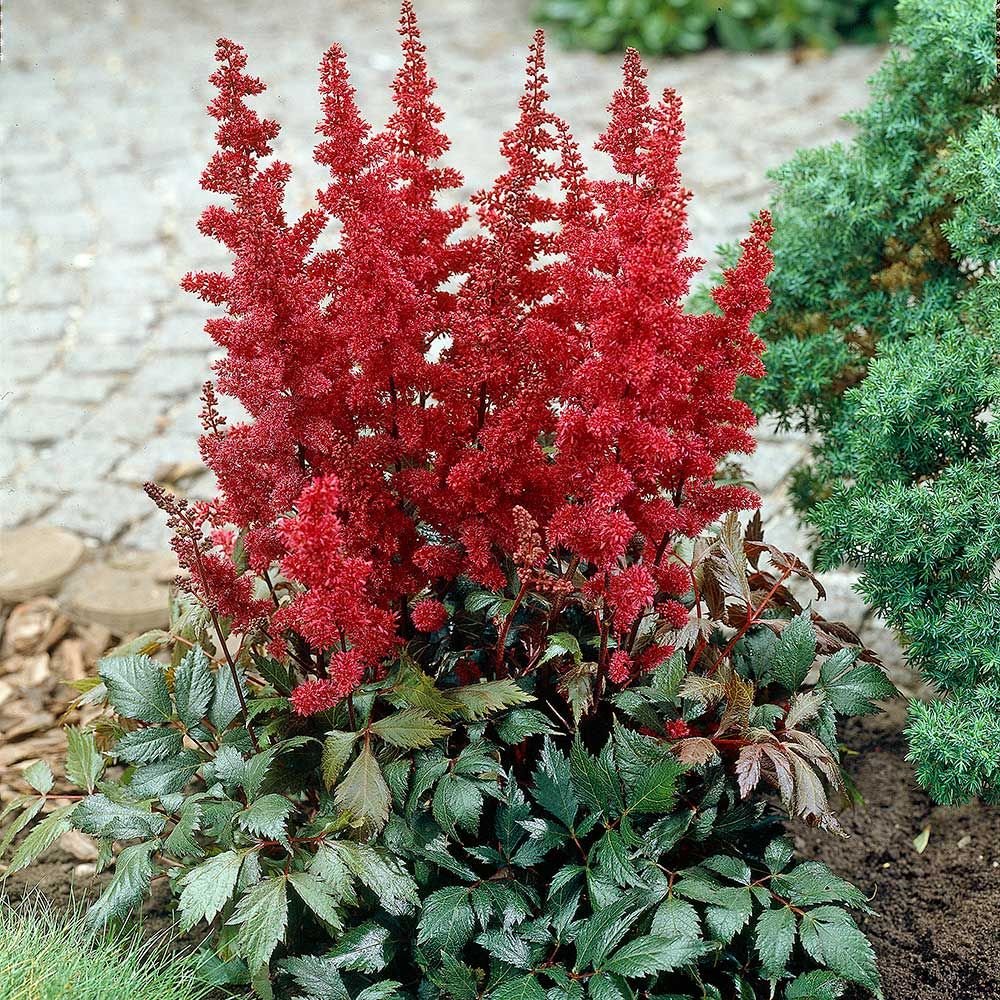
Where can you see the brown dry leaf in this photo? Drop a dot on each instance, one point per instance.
(6, 692)
(68, 660)
(804, 705)
(50, 743)
(81, 847)
(739, 694)
(696, 750)
(28, 724)
(748, 768)
(95, 639)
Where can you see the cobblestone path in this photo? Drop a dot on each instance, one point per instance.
(105, 136)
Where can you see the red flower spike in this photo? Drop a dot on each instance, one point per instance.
(422, 406)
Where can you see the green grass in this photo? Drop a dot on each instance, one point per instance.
(45, 955)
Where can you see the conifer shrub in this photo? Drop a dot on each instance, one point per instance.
(463, 695)
(679, 26)
(884, 337)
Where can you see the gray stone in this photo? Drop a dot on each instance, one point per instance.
(769, 465)
(35, 561)
(158, 458)
(172, 376)
(20, 504)
(151, 534)
(101, 510)
(73, 388)
(39, 420)
(128, 419)
(123, 600)
(25, 362)
(74, 461)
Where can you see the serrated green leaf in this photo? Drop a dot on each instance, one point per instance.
(165, 776)
(649, 954)
(84, 762)
(851, 690)
(520, 988)
(42, 836)
(676, 918)
(207, 888)
(414, 688)
(181, 843)
(811, 882)
(137, 687)
(320, 896)
(266, 817)
(597, 936)
(134, 870)
(478, 701)
(32, 807)
(595, 780)
(144, 746)
(507, 947)
(520, 723)
(455, 979)
(774, 936)
(830, 936)
(816, 985)
(553, 785)
(778, 853)
(384, 876)
(562, 644)
(731, 912)
(446, 919)
(39, 776)
(362, 949)
(194, 686)
(457, 803)
(225, 704)
(100, 817)
(409, 729)
(794, 652)
(262, 918)
(364, 793)
(656, 790)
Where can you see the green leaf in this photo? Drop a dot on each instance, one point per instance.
(520, 988)
(320, 896)
(207, 888)
(414, 688)
(562, 644)
(165, 776)
(457, 802)
(318, 978)
(794, 652)
(676, 918)
(730, 915)
(133, 873)
(32, 807)
(774, 937)
(262, 918)
(42, 837)
(507, 947)
(144, 746)
(364, 792)
(194, 685)
(599, 934)
(553, 785)
(816, 985)
(100, 817)
(409, 729)
(181, 842)
(266, 817)
(455, 979)
(226, 700)
(477, 701)
(595, 780)
(656, 790)
(853, 691)
(137, 687)
(831, 937)
(39, 776)
(446, 919)
(337, 749)
(520, 723)
(651, 953)
(362, 949)
(778, 853)
(384, 876)
(812, 882)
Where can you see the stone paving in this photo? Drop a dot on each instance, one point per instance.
(103, 141)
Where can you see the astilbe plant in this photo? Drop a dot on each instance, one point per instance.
(885, 337)
(462, 696)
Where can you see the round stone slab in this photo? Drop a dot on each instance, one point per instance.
(124, 600)
(35, 561)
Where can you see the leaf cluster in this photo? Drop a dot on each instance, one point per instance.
(690, 25)
(440, 836)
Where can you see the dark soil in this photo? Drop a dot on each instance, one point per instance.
(937, 928)
(935, 931)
